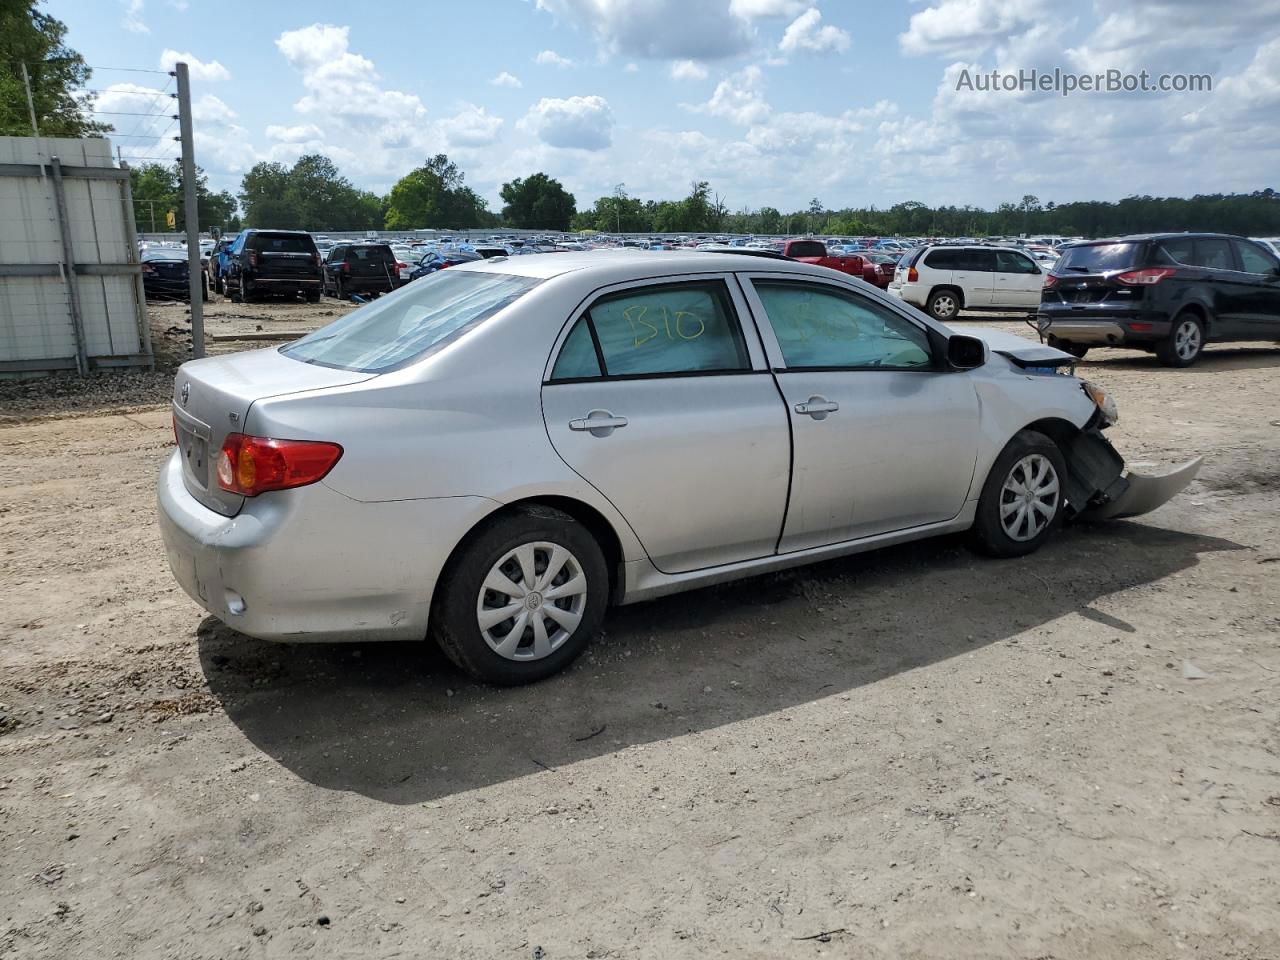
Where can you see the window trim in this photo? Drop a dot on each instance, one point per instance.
(1238, 243)
(935, 364)
(583, 313)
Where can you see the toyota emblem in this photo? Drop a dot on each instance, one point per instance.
(186, 392)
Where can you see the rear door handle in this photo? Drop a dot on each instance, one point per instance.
(599, 423)
(817, 407)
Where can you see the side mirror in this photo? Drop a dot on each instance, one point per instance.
(965, 353)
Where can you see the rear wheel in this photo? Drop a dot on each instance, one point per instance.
(521, 600)
(246, 290)
(943, 305)
(1184, 344)
(313, 296)
(1022, 500)
(236, 292)
(337, 288)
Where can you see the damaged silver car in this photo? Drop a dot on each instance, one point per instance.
(495, 453)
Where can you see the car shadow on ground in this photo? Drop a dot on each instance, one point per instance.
(396, 722)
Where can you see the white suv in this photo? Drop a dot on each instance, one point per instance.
(943, 280)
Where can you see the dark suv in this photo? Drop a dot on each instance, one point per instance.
(360, 268)
(273, 262)
(1167, 293)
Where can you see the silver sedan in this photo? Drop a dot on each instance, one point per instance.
(496, 452)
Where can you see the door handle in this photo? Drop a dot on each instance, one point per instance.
(817, 407)
(599, 423)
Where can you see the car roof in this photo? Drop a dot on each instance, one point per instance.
(622, 264)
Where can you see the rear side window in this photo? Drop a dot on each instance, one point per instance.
(417, 321)
(668, 330)
(1214, 253)
(943, 259)
(281, 243)
(1099, 258)
(1253, 259)
(978, 261)
(1009, 262)
(807, 248)
(1177, 250)
(820, 327)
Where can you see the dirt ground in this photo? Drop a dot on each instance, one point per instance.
(911, 753)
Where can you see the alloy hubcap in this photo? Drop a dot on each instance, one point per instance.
(531, 601)
(1029, 498)
(1186, 342)
(944, 306)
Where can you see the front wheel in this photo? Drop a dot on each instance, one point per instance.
(1022, 500)
(1184, 344)
(522, 598)
(1077, 350)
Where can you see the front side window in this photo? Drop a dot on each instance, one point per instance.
(671, 329)
(418, 320)
(820, 327)
(1253, 259)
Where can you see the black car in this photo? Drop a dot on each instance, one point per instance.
(273, 262)
(360, 268)
(165, 274)
(1166, 293)
(438, 261)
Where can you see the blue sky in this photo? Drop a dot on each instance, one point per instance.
(772, 101)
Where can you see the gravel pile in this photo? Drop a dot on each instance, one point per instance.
(112, 391)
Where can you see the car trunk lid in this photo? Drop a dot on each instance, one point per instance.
(212, 397)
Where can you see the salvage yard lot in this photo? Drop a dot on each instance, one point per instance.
(914, 752)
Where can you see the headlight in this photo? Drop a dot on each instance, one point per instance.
(1103, 402)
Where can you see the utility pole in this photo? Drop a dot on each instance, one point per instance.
(191, 209)
(31, 104)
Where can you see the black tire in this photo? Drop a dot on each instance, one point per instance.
(218, 286)
(1184, 344)
(246, 290)
(944, 304)
(204, 289)
(313, 296)
(989, 534)
(1077, 350)
(236, 292)
(453, 615)
(337, 288)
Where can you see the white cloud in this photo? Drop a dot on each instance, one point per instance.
(549, 58)
(299, 133)
(133, 10)
(739, 98)
(631, 68)
(209, 109)
(505, 79)
(971, 27)
(471, 126)
(670, 29)
(805, 34)
(584, 123)
(210, 72)
(688, 70)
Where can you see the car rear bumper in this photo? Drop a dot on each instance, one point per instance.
(912, 293)
(295, 283)
(1100, 324)
(311, 564)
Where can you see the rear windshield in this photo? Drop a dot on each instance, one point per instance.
(421, 319)
(370, 253)
(807, 248)
(1098, 258)
(281, 243)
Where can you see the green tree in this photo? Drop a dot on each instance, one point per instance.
(537, 202)
(434, 196)
(157, 189)
(58, 76)
(310, 195)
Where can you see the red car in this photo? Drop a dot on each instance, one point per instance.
(859, 265)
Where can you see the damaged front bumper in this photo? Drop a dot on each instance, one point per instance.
(1099, 488)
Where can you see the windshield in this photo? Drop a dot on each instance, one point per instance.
(1098, 258)
(422, 318)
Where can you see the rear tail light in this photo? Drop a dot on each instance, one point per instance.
(913, 275)
(1145, 278)
(1049, 280)
(401, 266)
(253, 258)
(315, 258)
(344, 267)
(253, 465)
(148, 268)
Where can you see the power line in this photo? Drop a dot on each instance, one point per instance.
(166, 73)
(124, 113)
(134, 93)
